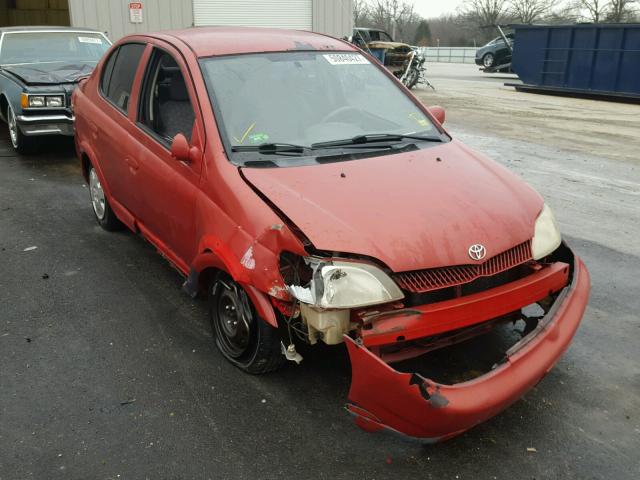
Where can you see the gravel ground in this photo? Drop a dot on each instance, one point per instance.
(108, 371)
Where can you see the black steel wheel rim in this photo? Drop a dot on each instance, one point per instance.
(233, 328)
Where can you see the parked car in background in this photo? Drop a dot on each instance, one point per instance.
(313, 199)
(39, 68)
(495, 53)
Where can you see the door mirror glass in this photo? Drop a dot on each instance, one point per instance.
(180, 148)
(438, 113)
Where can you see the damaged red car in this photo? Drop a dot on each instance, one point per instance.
(299, 185)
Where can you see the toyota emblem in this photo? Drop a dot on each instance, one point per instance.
(477, 251)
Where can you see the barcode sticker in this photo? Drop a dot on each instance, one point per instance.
(90, 40)
(345, 59)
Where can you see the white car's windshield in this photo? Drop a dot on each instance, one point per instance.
(305, 98)
(24, 48)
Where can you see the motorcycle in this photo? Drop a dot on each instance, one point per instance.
(416, 71)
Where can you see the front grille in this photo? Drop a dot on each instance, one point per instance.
(420, 281)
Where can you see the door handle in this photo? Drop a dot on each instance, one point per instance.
(132, 162)
(94, 130)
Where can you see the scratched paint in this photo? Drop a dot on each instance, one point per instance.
(247, 260)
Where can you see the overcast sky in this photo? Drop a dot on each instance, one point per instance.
(435, 8)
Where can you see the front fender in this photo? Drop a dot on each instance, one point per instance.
(11, 87)
(216, 254)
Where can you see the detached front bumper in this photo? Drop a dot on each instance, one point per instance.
(382, 398)
(46, 124)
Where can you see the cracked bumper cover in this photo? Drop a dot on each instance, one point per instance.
(382, 398)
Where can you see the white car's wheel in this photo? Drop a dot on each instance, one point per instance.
(19, 140)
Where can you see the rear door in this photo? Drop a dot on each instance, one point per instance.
(111, 127)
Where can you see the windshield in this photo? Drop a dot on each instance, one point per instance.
(24, 48)
(304, 98)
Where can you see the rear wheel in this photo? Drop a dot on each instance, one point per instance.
(101, 208)
(21, 143)
(488, 60)
(242, 337)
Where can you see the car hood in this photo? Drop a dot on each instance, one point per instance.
(414, 210)
(47, 74)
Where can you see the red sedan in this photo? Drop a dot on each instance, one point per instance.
(291, 178)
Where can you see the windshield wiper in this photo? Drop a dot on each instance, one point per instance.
(272, 148)
(373, 138)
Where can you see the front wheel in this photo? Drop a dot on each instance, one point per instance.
(488, 60)
(412, 78)
(21, 143)
(242, 337)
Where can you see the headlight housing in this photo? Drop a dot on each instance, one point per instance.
(546, 236)
(343, 284)
(36, 101)
(41, 101)
(55, 101)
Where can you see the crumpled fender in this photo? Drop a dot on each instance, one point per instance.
(252, 262)
(382, 398)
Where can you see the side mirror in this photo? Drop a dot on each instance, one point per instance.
(438, 113)
(180, 148)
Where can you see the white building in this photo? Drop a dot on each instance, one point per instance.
(122, 17)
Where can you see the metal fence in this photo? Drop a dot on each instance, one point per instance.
(449, 54)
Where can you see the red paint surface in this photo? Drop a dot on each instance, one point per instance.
(407, 210)
(206, 42)
(384, 397)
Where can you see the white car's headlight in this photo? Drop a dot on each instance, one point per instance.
(339, 284)
(55, 101)
(36, 101)
(546, 237)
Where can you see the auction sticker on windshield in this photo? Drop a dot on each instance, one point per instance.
(89, 40)
(345, 59)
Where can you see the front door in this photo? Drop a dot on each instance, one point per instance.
(168, 187)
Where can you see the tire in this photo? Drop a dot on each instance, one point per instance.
(412, 79)
(101, 208)
(20, 142)
(488, 60)
(243, 338)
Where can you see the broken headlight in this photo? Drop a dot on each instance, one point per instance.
(546, 237)
(343, 284)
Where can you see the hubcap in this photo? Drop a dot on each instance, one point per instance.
(97, 194)
(488, 60)
(13, 128)
(232, 328)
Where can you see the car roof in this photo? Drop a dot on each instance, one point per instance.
(210, 41)
(47, 28)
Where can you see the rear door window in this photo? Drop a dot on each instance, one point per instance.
(118, 74)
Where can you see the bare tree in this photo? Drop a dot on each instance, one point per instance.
(620, 10)
(528, 11)
(361, 11)
(485, 12)
(393, 16)
(595, 10)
